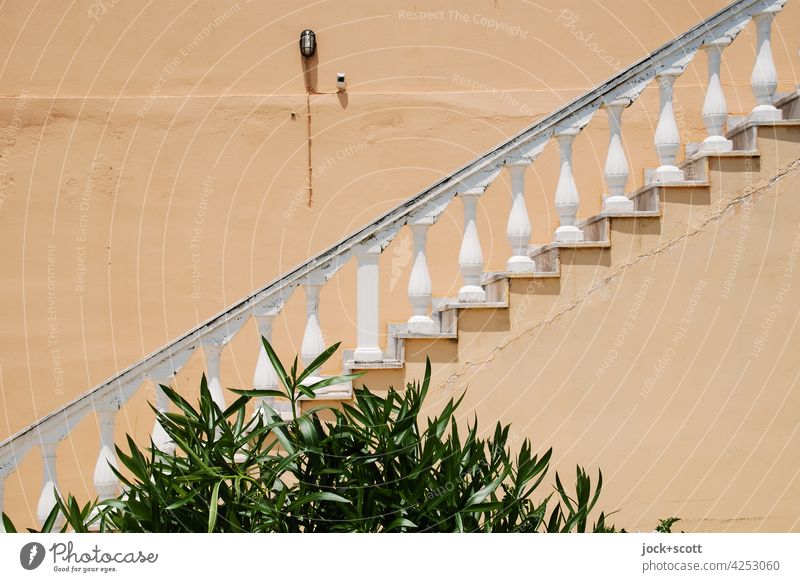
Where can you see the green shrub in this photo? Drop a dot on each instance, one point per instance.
(371, 466)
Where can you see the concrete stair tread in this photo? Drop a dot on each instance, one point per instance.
(732, 153)
(680, 184)
(748, 123)
(476, 305)
(400, 330)
(492, 276)
(432, 335)
(343, 391)
(387, 364)
(535, 250)
(786, 98)
(631, 214)
(650, 188)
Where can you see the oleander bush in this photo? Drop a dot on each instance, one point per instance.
(376, 465)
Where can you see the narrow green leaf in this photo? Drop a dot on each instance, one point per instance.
(259, 393)
(319, 496)
(213, 507)
(331, 381)
(8, 524)
(308, 430)
(487, 490)
(318, 361)
(400, 522)
(276, 363)
(47, 527)
(182, 501)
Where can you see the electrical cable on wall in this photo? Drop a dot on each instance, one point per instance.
(308, 48)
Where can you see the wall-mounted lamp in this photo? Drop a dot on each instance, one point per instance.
(308, 43)
(341, 84)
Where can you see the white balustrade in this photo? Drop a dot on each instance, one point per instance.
(212, 350)
(470, 257)
(567, 198)
(368, 348)
(313, 341)
(518, 229)
(161, 439)
(105, 481)
(764, 79)
(616, 169)
(667, 138)
(715, 109)
(47, 498)
(419, 283)
(265, 377)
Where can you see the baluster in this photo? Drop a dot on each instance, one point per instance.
(616, 168)
(212, 351)
(470, 257)
(47, 499)
(715, 110)
(667, 138)
(368, 349)
(313, 341)
(764, 79)
(105, 481)
(518, 229)
(265, 377)
(419, 283)
(567, 198)
(161, 439)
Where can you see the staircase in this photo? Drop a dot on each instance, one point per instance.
(721, 157)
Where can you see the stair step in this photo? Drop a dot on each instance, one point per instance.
(748, 153)
(647, 196)
(446, 303)
(790, 122)
(433, 335)
(400, 331)
(789, 104)
(388, 364)
(477, 305)
(681, 184)
(494, 276)
(342, 391)
(632, 214)
(744, 136)
(535, 250)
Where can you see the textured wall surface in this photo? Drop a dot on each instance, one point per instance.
(153, 166)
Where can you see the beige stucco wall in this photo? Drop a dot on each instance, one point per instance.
(146, 144)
